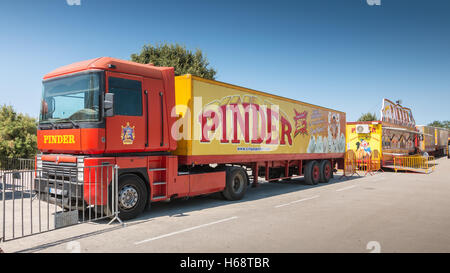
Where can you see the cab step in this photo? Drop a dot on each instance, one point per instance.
(156, 169)
(159, 197)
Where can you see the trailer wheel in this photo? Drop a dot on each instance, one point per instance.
(132, 196)
(236, 184)
(326, 172)
(312, 173)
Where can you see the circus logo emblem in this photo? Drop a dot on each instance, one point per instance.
(128, 134)
(300, 123)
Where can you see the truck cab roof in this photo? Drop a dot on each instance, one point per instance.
(111, 64)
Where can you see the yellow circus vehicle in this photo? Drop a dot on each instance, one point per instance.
(394, 135)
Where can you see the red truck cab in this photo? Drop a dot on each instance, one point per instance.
(73, 118)
(109, 111)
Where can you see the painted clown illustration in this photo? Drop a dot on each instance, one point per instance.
(128, 134)
(363, 149)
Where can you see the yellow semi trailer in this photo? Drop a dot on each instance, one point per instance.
(228, 120)
(275, 137)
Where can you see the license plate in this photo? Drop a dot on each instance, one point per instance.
(55, 191)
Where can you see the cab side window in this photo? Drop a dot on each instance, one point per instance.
(127, 96)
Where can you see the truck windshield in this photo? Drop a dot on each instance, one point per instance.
(74, 98)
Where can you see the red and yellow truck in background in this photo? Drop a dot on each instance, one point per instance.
(380, 142)
(395, 135)
(434, 140)
(176, 137)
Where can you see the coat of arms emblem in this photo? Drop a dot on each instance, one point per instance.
(128, 134)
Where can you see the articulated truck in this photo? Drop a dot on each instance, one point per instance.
(434, 140)
(174, 137)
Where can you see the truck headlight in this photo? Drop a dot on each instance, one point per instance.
(80, 169)
(38, 162)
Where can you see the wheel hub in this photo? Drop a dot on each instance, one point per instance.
(316, 173)
(128, 197)
(238, 184)
(327, 171)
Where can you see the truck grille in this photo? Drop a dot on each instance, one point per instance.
(63, 171)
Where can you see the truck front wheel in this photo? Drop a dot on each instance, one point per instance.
(132, 196)
(236, 183)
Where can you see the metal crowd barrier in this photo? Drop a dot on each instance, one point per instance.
(365, 165)
(37, 201)
(415, 163)
(16, 164)
(8, 164)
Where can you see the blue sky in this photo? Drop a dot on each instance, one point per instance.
(345, 55)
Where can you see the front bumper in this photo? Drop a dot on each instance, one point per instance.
(61, 193)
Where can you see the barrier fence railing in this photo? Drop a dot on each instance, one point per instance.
(16, 165)
(37, 201)
(9, 164)
(415, 163)
(366, 165)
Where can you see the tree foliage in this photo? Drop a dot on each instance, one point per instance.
(368, 117)
(441, 124)
(17, 134)
(183, 60)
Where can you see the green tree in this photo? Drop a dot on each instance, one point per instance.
(441, 124)
(17, 134)
(368, 117)
(183, 60)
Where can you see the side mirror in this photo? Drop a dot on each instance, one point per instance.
(50, 105)
(109, 104)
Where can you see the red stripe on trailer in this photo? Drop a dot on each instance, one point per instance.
(211, 159)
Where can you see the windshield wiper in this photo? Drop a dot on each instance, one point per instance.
(68, 119)
(44, 125)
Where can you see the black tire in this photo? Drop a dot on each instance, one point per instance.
(132, 186)
(326, 172)
(312, 173)
(236, 183)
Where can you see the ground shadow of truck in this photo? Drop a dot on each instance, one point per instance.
(182, 207)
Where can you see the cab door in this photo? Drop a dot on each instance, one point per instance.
(158, 134)
(126, 130)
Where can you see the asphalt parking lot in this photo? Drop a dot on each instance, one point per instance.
(386, 212)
